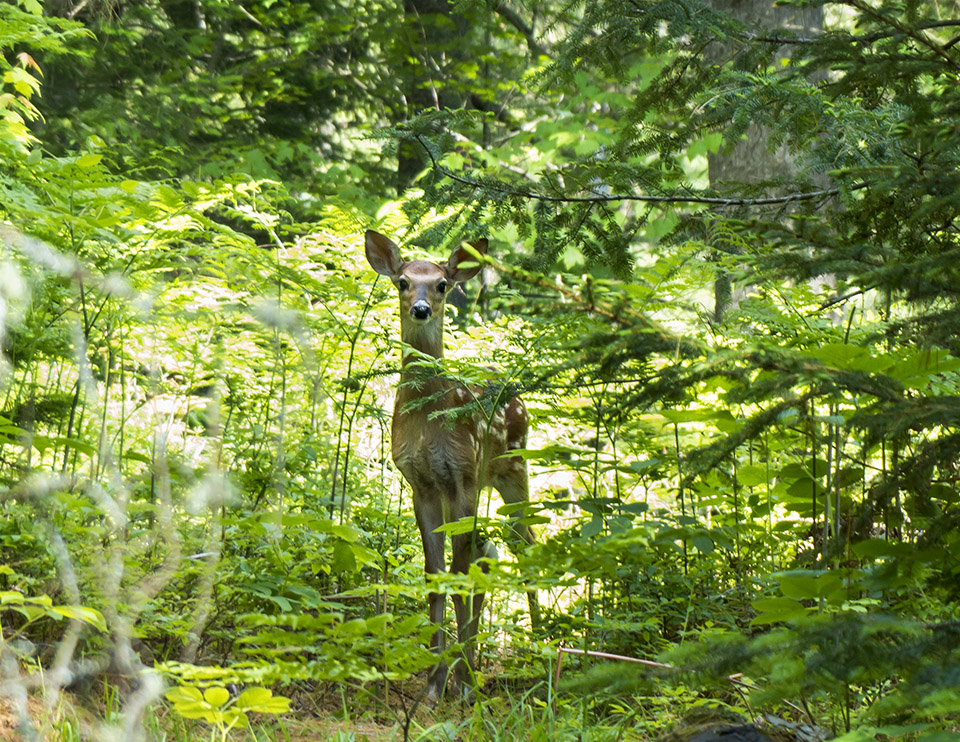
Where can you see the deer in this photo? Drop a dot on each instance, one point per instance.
(447, 459)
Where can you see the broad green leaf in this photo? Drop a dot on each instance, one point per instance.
(711, 143)
(216, 696)
(808, 586)
(353, 627)
(752, 475)
(592, 527)
(775, 610)
(183, 694)
(89, 160)
(703, 544)
(344, 560)
(82, 613)
(42, 443)
(34, 7)
(262, 700)
(878, 547)
(345, 531)
(918, 367)
(640, 467)
(843, 356)
(456, 527)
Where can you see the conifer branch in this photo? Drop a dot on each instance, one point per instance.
(917, 36)
(849, 38)
(643, 198)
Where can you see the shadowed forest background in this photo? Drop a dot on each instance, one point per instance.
(724, 275)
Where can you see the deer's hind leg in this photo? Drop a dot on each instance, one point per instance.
(510, 478)
(512, 482)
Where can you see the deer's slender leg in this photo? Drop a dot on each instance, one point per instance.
(465, 550)
(430, 517)
(512, 483)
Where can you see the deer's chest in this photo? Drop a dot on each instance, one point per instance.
(444, 451)
(430, 452)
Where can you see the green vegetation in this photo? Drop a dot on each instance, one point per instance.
(744, 390)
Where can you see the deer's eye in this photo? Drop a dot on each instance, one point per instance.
(442, 286)
(403, 285)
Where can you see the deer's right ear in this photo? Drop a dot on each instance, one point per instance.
(382, 254)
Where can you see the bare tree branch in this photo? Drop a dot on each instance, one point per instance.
(514, 19)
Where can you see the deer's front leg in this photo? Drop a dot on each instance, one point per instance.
(466, 549)
(429, 514)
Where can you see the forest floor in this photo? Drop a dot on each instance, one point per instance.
(76, 719)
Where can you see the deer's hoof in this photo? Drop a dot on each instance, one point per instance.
(468, 695)
(436, 684)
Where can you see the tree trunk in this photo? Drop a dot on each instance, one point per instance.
(435, 43)
(750, 160)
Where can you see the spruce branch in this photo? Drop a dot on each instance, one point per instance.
(849, 38)
(643, 198)
(918, 36)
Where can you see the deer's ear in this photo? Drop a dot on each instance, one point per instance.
(459, 256)
(382, 254)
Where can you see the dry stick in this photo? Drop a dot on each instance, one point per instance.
(605, 655)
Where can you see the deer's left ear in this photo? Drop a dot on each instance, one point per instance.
(461, 256)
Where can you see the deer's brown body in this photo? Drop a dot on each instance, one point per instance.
(447, 460)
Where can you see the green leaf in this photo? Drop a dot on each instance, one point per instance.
(184, 694)
(262, 700)
(344, 560)
(42, 443)
(775, 610)
(751, 475)
(22, 81)
(703, 544)
(216, 696)
(592, 527)
(82, 613)
(917, 368)
(711, 143)
(456, 527)
(878, 547)
(808, 585)
(34, 7)
(89, 160)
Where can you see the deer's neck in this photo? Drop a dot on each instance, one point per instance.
(426, 338)
(417, 381)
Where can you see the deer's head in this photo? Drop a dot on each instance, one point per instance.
(423, 285)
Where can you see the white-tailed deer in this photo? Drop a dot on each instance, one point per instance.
(447, 460)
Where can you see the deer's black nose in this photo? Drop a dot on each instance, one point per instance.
(420, 310)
